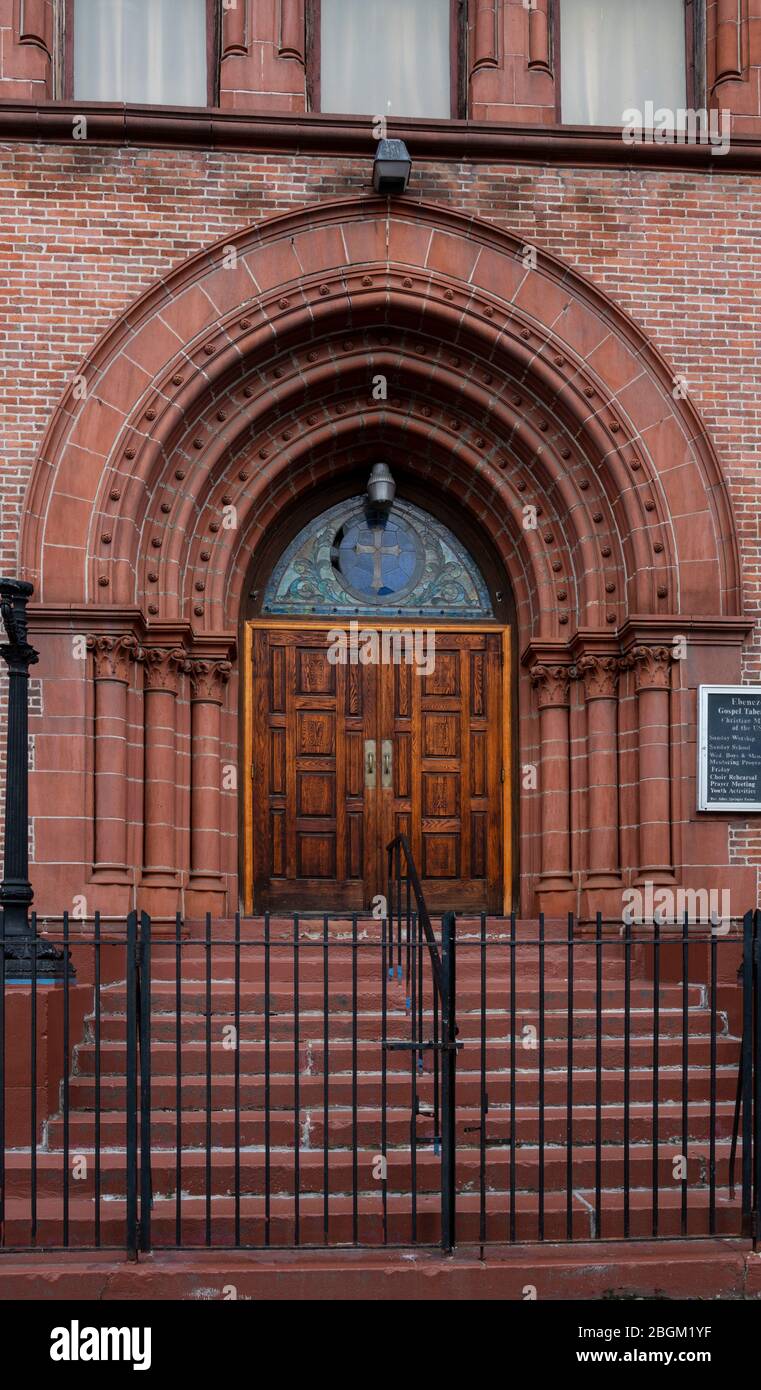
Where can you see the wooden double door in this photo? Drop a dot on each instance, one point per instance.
(346, 755)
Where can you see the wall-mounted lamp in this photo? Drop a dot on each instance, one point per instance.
(391, 169)
(381, 490)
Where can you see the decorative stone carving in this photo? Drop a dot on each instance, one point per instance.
(600, 675)
(208, 679)
(552, 685)
(163, 667)
(112, 656)
(652, 667)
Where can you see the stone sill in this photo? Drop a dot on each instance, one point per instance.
(445, 141)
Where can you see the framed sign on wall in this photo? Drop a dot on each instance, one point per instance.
(729, 748)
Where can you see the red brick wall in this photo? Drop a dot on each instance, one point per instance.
(86, 230)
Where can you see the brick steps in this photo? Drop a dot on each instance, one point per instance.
(369, 1055)
(370, 1222)
(252, 1091)
(533, 1167)
(340, 1170)
(193, 997)
(252, 1126)
(369, 1024)
(311, 969)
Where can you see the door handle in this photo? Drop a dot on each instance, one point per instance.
(387, 769)
(370, 772)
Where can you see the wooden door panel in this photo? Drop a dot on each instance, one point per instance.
(447, 786)
(319, 832)
(314, 825)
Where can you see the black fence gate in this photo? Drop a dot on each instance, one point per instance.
(329, 1082)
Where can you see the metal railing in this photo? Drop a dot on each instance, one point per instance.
(433, 1028)
(274, 1083)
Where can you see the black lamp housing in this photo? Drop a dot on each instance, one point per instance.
(392, 166)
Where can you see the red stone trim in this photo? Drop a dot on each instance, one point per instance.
(439, 141)
(730, 42)
(486, 35)
(34, 23)
(235, 30)
(292, 30)
(540, 24)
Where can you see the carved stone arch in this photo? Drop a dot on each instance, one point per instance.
(595, 392)
(237, 384)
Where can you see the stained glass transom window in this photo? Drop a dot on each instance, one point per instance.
(347, 561)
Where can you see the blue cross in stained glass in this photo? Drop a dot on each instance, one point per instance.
(378, 560)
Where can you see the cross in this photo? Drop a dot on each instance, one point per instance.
(377, 550)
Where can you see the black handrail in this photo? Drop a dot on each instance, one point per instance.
(412, 879)
(442, 1044)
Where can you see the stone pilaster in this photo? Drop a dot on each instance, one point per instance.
(599, 674)
(163, 668)
(552, 686)
(208, 681)
(652, 668)
(112, 664)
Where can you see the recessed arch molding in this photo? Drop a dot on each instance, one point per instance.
(258, 370)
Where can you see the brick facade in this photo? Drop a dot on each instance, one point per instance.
(643, 294)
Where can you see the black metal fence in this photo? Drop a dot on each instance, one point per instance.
(321, 1081)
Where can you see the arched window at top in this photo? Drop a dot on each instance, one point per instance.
(348, 561)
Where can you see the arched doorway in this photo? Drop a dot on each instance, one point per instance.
(378, 665)
(529, 404)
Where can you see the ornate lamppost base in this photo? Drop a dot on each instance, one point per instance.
(30, 956)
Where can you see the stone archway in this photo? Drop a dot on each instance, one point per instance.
(242, 381)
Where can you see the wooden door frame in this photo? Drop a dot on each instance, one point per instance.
(399, 624)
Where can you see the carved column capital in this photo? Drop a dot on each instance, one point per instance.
(600, 676)
(163, 667)
(113, 656)
(552, 685)
(652, 667)
(208, 679)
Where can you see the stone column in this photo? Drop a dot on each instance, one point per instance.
(600, 676)
(163, 667)
(652, 666)
(208, 680)
(552, 685)
(112, 661)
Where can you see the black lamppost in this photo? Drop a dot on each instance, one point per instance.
(15, 890)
